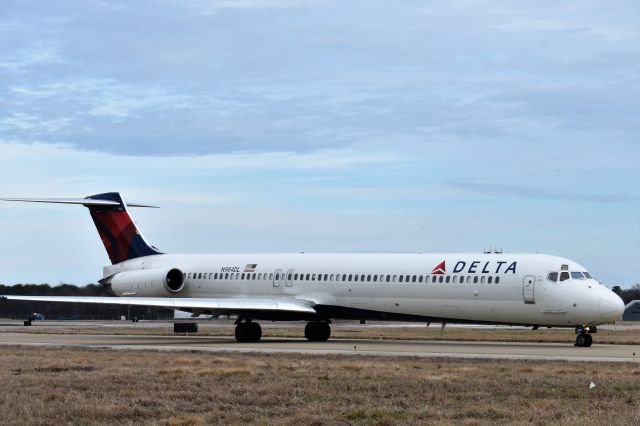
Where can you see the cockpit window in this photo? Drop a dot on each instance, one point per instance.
(577, 275)
(586, 274)
(564, 276)
(553, 276)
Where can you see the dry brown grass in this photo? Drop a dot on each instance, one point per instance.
(627, 337)
(86, 387)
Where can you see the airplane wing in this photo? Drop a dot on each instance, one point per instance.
(231, 305)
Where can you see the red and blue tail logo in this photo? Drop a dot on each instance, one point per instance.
(120, 236)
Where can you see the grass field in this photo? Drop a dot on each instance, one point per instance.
(82, 386)
(358, 332)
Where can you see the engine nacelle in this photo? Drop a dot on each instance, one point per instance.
(148, 282)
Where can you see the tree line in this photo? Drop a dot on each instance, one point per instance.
(20, 309)
(627, 294)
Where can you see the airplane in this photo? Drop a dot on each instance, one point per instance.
(531, 290)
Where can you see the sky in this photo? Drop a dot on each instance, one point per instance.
(322, 126)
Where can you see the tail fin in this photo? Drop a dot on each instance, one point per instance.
(120, 236)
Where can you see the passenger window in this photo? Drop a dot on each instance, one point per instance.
(308, 277)
(350, 277)
(295, 277)
(355, 277)
(497, 280)
(375, 278)
(553, 276)
(475, 280)
(448, 279)
(455, 279)
(189, 275)
(242, 276)
(434, 278)
(400, 278)
(388, 278)
(413, 279)
(420, 278)
(289, 277)
(226, 276)
(331, 277)
(489, 280)
(313, 277)
(362, 277)
(326, 277)
(564, 276)
(210, 275)
(271, 276)
(482, 280)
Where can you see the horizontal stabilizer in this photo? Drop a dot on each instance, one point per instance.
(231, 305)
(81, 201)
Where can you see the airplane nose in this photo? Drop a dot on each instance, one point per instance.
(611, 307)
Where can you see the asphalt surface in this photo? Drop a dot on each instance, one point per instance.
(494, 350)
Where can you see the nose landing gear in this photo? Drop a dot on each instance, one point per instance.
(583, 338)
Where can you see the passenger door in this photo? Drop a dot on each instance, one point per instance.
(528, 289)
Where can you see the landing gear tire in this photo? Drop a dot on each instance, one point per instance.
(317, 331)
(248, 332)
(584, 340)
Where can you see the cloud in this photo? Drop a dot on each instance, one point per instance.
(21, 62)
(499, 189)
(212, 7)
(33, 124)
(341, 125)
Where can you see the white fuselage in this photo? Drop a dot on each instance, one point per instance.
(483, 288)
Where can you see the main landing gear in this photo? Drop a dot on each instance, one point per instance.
(247, 330)
(317, 331)
(583, 338)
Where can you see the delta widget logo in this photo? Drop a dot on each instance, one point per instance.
(440, 269)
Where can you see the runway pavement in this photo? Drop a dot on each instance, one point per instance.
(533, 351)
